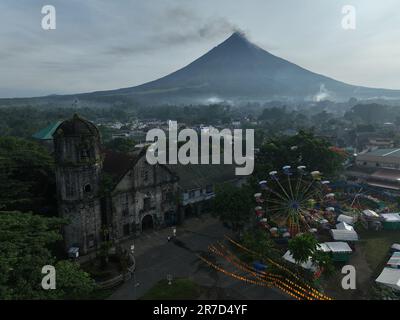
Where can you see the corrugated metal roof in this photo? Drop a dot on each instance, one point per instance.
(392, 152)
(194, 176)
(47, 133)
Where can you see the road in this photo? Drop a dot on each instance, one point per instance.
(156, 258)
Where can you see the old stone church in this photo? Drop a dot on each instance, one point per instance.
(107, 195)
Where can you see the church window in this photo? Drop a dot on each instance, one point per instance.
(84, 153)
(69, 187)
(91, 241)
(125, 204)
(209, 189)
(87, 188)
(126, 229)
(145, 175)
(146, 204)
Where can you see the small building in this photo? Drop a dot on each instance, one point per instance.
(339, 251)
(382, 158)
(390, 277)
(197, 185)
(391, 221)
(379, 168)
(344, 235)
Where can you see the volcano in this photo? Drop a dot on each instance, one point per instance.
(238, 70)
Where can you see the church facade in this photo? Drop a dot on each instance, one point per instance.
(104, 195)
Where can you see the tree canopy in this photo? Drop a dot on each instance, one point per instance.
(303, 247)
(303, 148)
(26, 172)
(233, 205)
(26, 241)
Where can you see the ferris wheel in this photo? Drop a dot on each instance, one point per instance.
(294, 198)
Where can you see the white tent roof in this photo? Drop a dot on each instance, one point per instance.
(370, 213)
(344, 235)
(344, 226)
(394, 260)
(339, 246)
(390, 277)
(395, 246)
(391, 217)
(344, 218)
(323, 247)
(306, 265)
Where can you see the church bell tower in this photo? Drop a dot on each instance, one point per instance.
(78, 156)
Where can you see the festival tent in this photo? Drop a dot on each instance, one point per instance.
(395, 247)
(309, 265)
(369, 214)
(390, 277)
(344, 218)
(394, 261)
(391, 221)
(340, 251)
(344, 235)
(344, 226)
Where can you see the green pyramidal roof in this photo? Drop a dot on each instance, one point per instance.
(47, 133)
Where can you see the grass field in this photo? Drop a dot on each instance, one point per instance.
(376, 245)
(179, 289)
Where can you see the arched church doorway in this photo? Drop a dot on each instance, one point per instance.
(147, 223)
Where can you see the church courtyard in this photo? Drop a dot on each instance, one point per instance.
(158, 260)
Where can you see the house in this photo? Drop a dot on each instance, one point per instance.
(380, 158)
(378, 168)
(197, 184)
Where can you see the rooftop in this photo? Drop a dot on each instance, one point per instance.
(47, 133)
(195, 176)
(392, 152)
(390, 277)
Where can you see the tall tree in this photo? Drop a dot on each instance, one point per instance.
(26, 172)
(301, 149)
(25, 248)
(233, 205)
(303, 247)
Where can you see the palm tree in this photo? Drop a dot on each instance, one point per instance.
(303, 247)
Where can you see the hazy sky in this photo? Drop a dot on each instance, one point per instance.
(105, 44)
